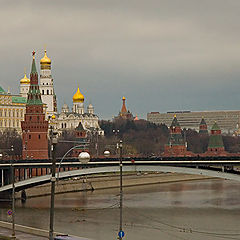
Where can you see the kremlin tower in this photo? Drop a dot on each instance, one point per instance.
(176, 145)
(215, 144)
(203, 127)
(34, 126)
(46, 86)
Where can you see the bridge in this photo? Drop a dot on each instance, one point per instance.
(226, 169)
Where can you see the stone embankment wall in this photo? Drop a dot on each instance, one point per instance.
(109, 181)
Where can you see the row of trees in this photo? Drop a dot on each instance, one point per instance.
(143, 137)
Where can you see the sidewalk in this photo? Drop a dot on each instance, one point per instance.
(19, 235)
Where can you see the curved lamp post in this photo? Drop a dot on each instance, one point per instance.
(59, 166)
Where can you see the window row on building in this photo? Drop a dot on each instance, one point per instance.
(10, 123)
(11, 113)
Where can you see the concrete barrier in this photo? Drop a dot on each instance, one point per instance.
(109, 181)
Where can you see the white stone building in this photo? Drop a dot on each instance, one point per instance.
(68, 120)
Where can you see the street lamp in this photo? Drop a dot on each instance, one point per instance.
(53, 141)
(106, 153)
(116, 132)
(13, 195)
(121, 233)
(84, 157)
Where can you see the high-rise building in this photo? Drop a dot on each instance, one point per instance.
(34, 126)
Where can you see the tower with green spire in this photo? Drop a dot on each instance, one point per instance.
(176, 145)
(203, 127)
(34, 126)
(215, 143)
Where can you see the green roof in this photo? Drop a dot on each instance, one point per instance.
(2, 90)
(175, 122)
(34, 95)
(215, 127)
(34, 69)
(215, 141)
(16, 99)
(79, 127)
(203, 122)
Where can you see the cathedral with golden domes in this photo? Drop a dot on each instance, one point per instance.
(66, 119)
(69, 119)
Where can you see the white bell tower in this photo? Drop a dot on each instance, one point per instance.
(46, 86)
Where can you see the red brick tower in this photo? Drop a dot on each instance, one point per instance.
(176, 145)
(80, 140)
(215, 144)
(34, 126)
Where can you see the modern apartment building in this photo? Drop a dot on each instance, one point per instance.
(227, 120)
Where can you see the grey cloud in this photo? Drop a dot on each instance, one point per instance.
(133, 48)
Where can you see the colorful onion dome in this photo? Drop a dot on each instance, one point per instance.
(78, 97)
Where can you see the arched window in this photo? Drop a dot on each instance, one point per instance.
(47, 92)
(42, 92)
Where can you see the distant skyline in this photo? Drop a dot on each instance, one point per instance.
(161, 55)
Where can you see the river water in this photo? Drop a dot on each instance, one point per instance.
(207, 209)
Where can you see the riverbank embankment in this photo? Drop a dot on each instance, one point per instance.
(106, 181)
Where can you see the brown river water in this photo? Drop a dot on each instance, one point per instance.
(206, 209)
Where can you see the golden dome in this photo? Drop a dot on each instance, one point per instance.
(25, 80)
(123, 98)
(53, 116)
(78, 97)
(45, 59)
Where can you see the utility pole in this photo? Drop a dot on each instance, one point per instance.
(53, 141)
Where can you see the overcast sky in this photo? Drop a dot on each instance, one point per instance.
(162, 55)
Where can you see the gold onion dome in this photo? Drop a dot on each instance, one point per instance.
(45, 59)
(25, 80)
(78, 97)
